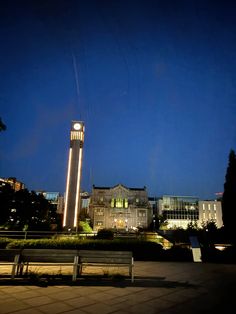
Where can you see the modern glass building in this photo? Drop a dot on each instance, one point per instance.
(179, 211)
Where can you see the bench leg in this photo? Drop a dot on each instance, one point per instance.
(13, 271)
(80, 268)
(15, 265)
(75, 268)
(131, 271)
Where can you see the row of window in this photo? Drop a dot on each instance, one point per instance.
(118, 202)
(100, 212)
(180, 215)
(209, 207)
(210, 216)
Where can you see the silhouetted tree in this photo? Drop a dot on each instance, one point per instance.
(228, 199)
(2, 125)
(22, 210)
(6, 197)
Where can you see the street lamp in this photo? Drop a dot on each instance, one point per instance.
(154, 222)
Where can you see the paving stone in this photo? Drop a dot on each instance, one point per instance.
(40, 300)
(11, 306)
(55, 308)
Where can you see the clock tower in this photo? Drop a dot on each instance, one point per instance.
(72, 197)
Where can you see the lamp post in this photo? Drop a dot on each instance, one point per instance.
(154, 222)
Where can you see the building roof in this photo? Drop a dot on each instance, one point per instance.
(108, 188)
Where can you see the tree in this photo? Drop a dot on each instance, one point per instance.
(2, 125)
(228, 199)
(22, 210)
(162, 222)
(6, 197)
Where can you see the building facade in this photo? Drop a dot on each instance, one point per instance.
(119, 208)
(54, 198)
(14, 183)
(179, 211)
(72, 195)
(210, 211)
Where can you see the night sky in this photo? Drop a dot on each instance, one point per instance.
(154, 81)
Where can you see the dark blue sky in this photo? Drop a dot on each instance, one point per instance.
(156, 91)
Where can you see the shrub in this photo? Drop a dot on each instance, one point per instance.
(85, 227)
(105, 234)
(142, 250)
(178, 254)
(4, 242)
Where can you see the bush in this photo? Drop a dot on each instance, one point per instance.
(178, 254)
(4, 242)
(105, 234)
(85, 227)
(142, 250)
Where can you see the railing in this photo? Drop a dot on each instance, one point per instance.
(54, 234)
(42, 234)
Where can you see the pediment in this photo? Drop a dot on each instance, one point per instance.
(120, 190)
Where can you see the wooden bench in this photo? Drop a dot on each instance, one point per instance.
(49, 257)
(10, 257)
(106, 258)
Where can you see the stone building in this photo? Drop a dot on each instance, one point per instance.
(119, 208)
(211, 211)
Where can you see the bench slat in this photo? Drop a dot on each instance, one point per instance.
(106, 258)
(50, 257)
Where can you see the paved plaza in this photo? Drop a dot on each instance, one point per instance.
(159, 287)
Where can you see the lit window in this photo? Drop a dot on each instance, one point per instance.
(215, 207)
(209, 206)
(119, 202)
(112, 202)
(203, 206)
(141, 213)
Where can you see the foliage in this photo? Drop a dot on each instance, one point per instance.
(178, 254)
(2, 125)
(83, 215)
(228, 199)
(105, 234)
(4, 242)
(6, 197)
(85, 227)
(162, 222)
(192, 227)
(207, 235)
(142, 250)
(22, 208)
